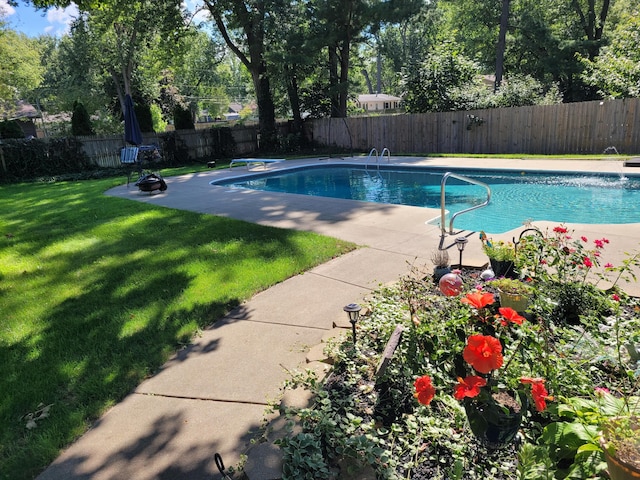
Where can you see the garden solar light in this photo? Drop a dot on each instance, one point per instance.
(353, 310)
(461, 242)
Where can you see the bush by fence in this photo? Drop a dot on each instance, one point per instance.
(563, 129)
(25, 159)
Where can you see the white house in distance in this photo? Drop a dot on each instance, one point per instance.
(378, 102)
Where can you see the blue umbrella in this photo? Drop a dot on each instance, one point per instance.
(132, 133)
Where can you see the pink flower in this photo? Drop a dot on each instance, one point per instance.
(599, 243)
(601, 391)
(608, 265)
(584, 239)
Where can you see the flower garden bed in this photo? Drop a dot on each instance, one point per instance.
(565, 362)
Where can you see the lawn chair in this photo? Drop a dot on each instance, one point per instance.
(129, 159)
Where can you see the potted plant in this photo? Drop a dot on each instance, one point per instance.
(494, 411)
(502, 256)
(620, 441)
(513, 293)
(440, 260)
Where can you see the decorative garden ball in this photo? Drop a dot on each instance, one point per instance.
(451, 284)
(487, 274)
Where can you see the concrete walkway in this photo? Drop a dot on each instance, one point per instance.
(211, 395)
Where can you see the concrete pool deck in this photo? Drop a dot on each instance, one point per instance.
(209, 396)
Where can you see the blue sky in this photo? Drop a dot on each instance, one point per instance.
(55, 21)
(26, 19)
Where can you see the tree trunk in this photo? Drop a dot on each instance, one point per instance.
(500, 47)
(294, 98)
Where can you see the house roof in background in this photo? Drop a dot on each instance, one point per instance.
(23, 110)
(377, 97)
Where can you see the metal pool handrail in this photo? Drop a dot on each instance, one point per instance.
(443, 185)
(385, 149)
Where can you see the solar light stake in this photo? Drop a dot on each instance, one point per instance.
(353, 310)
(461, 242)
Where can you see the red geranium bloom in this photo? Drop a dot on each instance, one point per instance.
(560, 229)
(538, 392)
(483, 353)
(478, 299)
(469, 387)
(511, 315)
(425, 391)
(587, 262)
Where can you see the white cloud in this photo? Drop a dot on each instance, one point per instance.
(6, 10)
(60, 19)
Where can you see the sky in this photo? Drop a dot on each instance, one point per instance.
(26, 19)
(55, 21)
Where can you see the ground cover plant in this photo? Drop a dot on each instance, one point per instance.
(96, 292)
(563, 367)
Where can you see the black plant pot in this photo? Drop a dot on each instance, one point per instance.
(503, 268)
(494, 425)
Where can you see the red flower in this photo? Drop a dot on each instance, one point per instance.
(560, 230)
(425, 391)
(469, 387)
(483, 353)
(587, 262)
(584, 239)
(511, 315)
(478, 299)
(615, 297)
(538, 392)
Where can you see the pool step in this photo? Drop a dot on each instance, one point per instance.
(632, 162)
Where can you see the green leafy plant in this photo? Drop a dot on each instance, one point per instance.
(303, 458)
(499, 250)
(512, 286)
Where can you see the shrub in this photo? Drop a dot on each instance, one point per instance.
(80, 121)
(10, 129)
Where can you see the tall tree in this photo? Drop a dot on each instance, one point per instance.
(119, 34)
(20, 68)
(242, 25)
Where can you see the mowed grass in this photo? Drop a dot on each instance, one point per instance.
(97, 292)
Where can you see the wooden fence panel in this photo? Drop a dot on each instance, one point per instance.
(104, 151)
(569, 128)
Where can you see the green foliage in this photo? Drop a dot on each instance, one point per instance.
(159, 125)
(400, 438)
(220, 141)
(20, 68)
(182, 118)
(10, 129)
(145, 118)
(616, 70)
(35, 158)
(174, 150)
(80, 121)
(303, 458)
(436, 84)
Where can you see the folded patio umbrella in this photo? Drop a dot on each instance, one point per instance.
(132, 133)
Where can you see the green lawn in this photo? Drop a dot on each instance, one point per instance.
(96, 292)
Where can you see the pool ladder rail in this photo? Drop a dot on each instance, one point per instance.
(374, 150)
(443, 211)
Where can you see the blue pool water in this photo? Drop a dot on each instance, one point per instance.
(516, 197)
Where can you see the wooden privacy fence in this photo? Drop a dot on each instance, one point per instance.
(568, 128)
(104, 151)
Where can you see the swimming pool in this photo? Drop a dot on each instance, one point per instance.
(516, 196)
